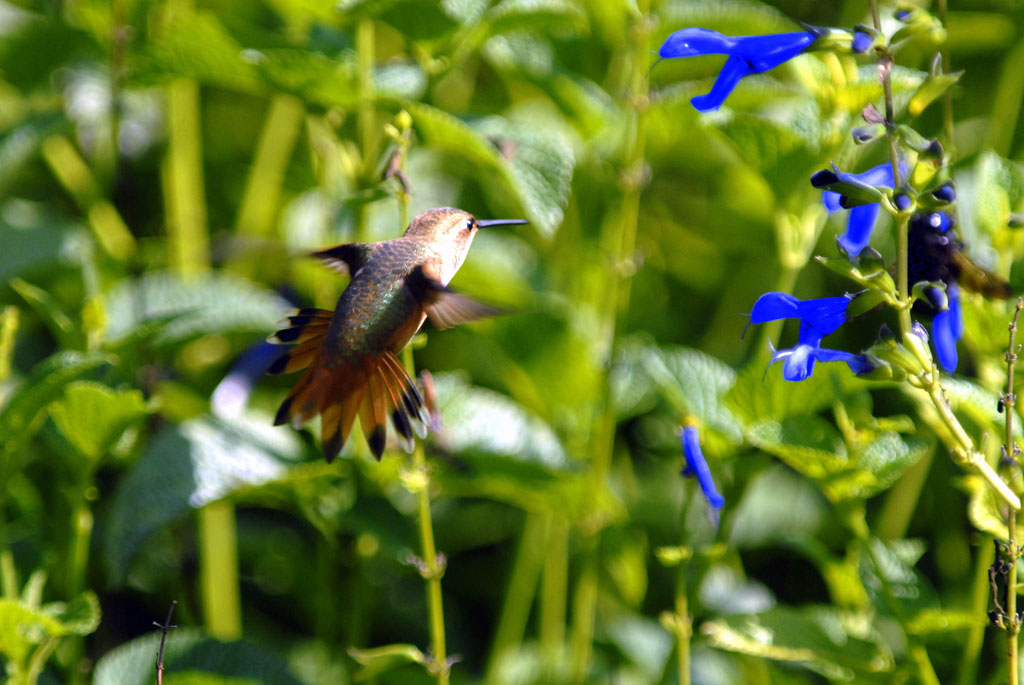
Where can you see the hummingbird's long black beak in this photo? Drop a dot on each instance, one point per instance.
(499, 222)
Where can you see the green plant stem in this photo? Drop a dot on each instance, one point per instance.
(684, 631)
(964, 452)
(431, 568)
(980, 593)
(621, 243)
(218, 570)
(553, 588)
(1009, 400)
(522, 587)
(367, 115)
(261, 198)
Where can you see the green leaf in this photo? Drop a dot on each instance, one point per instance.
(382, 659)
(186, 467)
(808, 444)
(35, 239)
(21, 628)
(758, 393)
(817, 638)
(60, 325)
(930, 90)
(198, 47)
(998, 187)
(485, 422)
(93, 416)
(191, 655)
(896, 559)
(80, 616)
(932, 621)
(534, 162)
(535, 15)
(777, 506)
(23, 415)
(20, 145)
(334, 82)
(183, 309)
(694, 382)
(887, 458)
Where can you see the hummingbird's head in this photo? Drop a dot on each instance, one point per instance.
(451, 231)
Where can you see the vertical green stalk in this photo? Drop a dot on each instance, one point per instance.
(263, 186)
(684, 627)
(367, 116)
(431, 567)
(522, 585)
(183, 181)
(553, 588)
(980, 593)
(1012, 624)
(218, 570)
(632, 180)
(189, 239)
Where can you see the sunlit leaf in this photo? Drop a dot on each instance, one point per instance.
(534, 164)
(931, 621)
(92, 416)
(382, 659)
(34, 239)
(20, 419)
(21, 628)
(59, 323)
(813, 637)
(778, 506)
(187, 466)
(896, 559)
(695, 382)
(198, 47)
(553, 15)
(193, 307)
(933, 88)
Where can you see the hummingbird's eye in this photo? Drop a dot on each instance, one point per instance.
(470, 224)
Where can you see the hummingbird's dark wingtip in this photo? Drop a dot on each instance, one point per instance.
(500, 222)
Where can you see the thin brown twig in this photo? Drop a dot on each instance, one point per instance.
(164, 628)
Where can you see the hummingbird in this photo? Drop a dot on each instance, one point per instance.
(350, 355)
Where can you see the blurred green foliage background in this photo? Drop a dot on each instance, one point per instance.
(166, 164)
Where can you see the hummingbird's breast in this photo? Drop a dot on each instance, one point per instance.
(377, 311)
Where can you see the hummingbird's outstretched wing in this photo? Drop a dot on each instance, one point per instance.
(444, 306)
(347, 258)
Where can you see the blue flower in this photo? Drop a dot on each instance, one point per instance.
(747, 55)
(947, 328)
(863, 217)
(799, 361)
(232, 393)
(697, 466)
(818, 318)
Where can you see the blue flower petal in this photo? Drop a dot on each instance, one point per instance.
(697, 466)
(747, 55)
(947, 328)
(775, 305)
(692, 42)
(859, 228)
(818, 317)
(735, 69)
(799, 361)
(767, 52)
